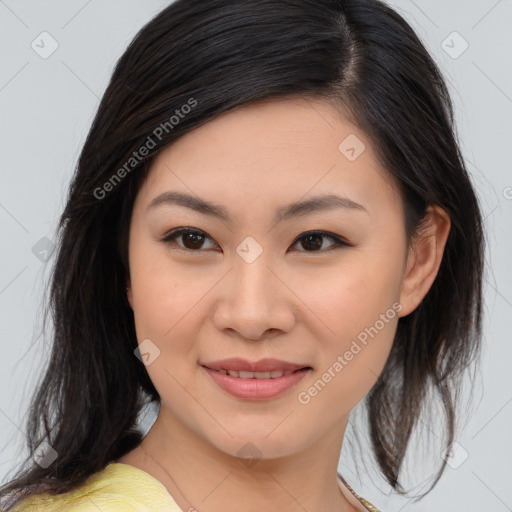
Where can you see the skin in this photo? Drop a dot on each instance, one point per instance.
(294, 302)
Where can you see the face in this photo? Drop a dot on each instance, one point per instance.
(320, 285)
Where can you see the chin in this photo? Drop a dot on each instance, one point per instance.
(258, 446)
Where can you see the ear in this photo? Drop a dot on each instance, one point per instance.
(129, 294)
(424, 258)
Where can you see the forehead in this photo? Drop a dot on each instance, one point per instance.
(273, 152)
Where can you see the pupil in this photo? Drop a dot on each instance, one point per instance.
(314, 245)
(195, 239)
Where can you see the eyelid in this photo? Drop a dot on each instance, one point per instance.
(338, 240)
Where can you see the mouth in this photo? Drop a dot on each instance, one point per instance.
(241, 374)
(262, 385)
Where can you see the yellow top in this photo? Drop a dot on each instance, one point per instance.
(120, 488)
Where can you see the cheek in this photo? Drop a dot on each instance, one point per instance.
(358, 310)
(166, 305)
(351, 295)
(163, 289)
(167, 312)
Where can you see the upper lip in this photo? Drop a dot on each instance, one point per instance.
(263, 365)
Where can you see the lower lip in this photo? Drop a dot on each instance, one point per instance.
(256, 389)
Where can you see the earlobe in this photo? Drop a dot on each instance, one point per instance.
(424, 258)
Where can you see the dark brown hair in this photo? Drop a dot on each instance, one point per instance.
(222, 54)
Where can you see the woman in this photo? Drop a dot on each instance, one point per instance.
(235, 140)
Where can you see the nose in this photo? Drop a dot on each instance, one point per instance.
(254, 301)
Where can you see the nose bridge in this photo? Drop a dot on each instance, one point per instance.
(254, 300)
(253, 281)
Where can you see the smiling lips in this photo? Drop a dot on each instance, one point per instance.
(275, 374)
(259, 380)
(237, 367)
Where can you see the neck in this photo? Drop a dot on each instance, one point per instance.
(201, 477)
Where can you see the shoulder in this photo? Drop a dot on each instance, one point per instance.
(117, 488)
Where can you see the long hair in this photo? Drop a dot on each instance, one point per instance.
(195, 60)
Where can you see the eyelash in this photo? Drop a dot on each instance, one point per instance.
(338, 241)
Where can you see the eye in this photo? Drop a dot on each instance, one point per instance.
(193, 240)
(313, 240)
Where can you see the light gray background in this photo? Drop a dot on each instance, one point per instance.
(47, 106)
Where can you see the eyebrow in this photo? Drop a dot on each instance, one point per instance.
(298, 209)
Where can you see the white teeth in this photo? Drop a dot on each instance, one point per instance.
(256, 375)
(262, 375)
